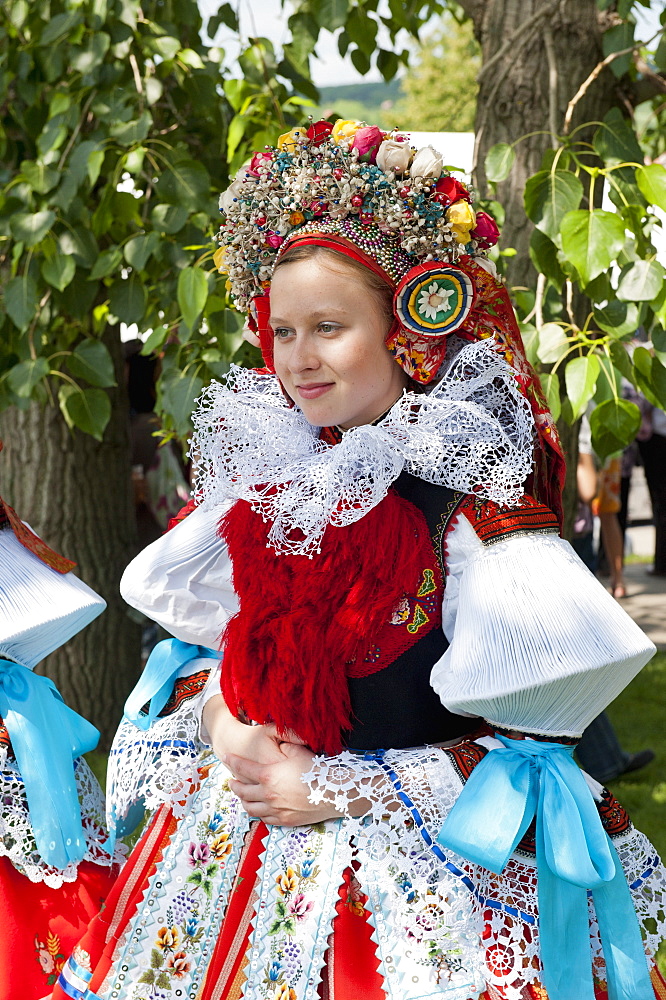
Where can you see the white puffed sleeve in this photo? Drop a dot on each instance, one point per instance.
(537, 643)
(183, 580)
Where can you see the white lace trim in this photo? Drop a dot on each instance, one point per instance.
(17, 842)
(424, 897)
(472, 432)
(154, 767)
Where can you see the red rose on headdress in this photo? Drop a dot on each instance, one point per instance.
(318, 132)
(257, 160)
(448, 190)
(368, 140)
(485, 232)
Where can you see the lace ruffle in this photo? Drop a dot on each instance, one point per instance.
(17, 842)
(472, 432)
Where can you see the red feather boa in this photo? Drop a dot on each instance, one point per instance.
(302, 621)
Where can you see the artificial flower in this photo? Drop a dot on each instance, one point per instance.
(427, 163)
(394, 155)
(219, 259)
(178, 965)
(345, 128)
(449, 189)
(296, 218)
(284, 992)
(257, 161)
(221, 845)
(290, 141)
(231, 195)
(299, 908)
(319, 132)
(462, 219)
(485, 232)
(274, 240)
(367, 141)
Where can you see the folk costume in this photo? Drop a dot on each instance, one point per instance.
(56, 866)
(380, 591)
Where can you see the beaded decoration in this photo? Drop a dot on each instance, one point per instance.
(319, 177)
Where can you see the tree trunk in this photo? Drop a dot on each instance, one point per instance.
(535, 56)
(76, 493)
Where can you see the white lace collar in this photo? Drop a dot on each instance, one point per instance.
(472, 432)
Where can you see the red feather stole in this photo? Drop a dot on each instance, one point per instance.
(303, 623)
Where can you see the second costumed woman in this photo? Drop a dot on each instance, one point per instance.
(409, 650)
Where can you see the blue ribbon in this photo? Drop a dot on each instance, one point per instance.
(159, 674)
(47, 737)
(574, 854)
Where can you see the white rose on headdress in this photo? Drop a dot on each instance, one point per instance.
(427, 163)
(394, 156)
(233, 192)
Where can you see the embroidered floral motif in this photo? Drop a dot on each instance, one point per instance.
(50, 957)
(296, 888)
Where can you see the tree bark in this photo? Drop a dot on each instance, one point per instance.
(535, 55)
(77, 494)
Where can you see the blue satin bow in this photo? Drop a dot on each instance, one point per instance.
(574, 854)
(159, 674)
(47, 737)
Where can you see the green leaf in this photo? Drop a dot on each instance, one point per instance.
(140, 248)
(31, 227)
(360, 61)
(591, 241)
(127, 299)
(59, 26)
(24, 376)
(550, 383)
(617, 318)
(87, 409)
(166, 46)
(499, 161)
(155, 340)
(580, 379)
(616, 39)
(553, 343)
(81, 244)
(186, 184)
(58, 271)
(168, 218)
(107, 263)
(91, 361)
(387, 63)
(621, 360)
(641, 282)
(543, 254)
(20, 299)
(40, 177)
(331, 14)
(155, 958)
(129, 133)
(192, 293)
(615, 141)
(614, 425)
(650, 377)
(178, 392)
(652, 183)
(549, 195)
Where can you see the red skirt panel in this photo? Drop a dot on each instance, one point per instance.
(39, 926)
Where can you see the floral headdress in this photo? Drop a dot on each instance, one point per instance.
(372, 196)
(398, 205)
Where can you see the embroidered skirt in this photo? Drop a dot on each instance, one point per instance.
(214, 906)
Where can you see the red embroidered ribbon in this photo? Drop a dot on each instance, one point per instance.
(33, 542)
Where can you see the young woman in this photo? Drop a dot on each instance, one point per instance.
(409, 650)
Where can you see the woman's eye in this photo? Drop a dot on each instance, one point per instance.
(327, 327)
(281, 333)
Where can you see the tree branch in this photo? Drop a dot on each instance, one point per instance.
(553, 82)
(598, 69)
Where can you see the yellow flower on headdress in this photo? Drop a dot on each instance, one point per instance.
(220, 260)
(345, 128)
(296, 218)
(290, 140)
(462, 218)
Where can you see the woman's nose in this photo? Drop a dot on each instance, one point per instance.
(303, 355)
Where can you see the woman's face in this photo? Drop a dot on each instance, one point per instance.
(329, 331)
